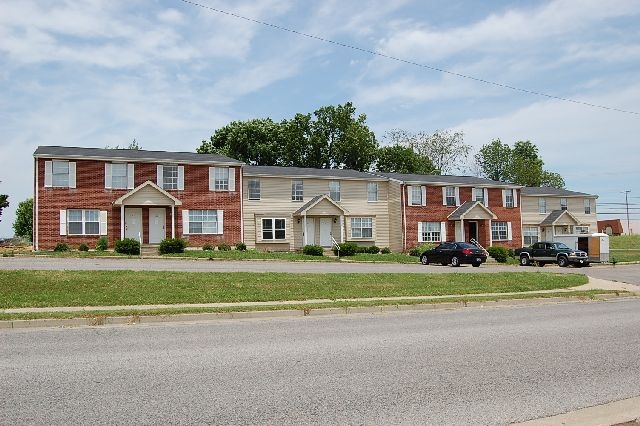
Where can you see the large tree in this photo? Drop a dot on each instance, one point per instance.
(494, 160)
(23, 225)
(4, 202)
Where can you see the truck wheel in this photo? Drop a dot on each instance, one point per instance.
(455, 261)
(524, 261)
(563, 261)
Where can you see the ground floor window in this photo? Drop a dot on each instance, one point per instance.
(83, 222)
(203, 221)
(361, 227)
(581, 229)
(273, 229)
(429, 232)
(530, 234)
(499, 231)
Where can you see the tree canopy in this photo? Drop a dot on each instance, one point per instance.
(23, 225)
(4, 202)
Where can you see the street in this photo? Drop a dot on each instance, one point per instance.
(467, 366)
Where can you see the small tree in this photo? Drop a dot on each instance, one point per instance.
(23, 225)
(3, 202)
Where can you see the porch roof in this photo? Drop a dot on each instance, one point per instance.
(472, 210)
(316, 201)
(148, 193)
(555, 216)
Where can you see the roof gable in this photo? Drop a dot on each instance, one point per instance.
(147, 193)
(472, 210)
(321, 205)
(560, 217)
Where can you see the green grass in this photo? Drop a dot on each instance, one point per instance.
(624, 242)
(106, 288)
(249, 254)
(625, 255)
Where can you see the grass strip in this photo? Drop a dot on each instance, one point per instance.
(24, 288)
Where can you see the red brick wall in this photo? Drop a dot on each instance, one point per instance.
(90, 193)
(434, 211)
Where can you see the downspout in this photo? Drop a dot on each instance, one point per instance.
(404, 217)
(241, 205)
(35, 208)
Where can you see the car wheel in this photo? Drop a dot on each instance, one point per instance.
(424, 259)
(524, 261)
(563, 261)
(475, 265)
(541, 264)
(455, 261)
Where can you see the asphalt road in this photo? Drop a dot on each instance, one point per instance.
(468, 366)
(624, 273)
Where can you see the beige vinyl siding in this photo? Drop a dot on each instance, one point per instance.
(575, 206)
(394, 209)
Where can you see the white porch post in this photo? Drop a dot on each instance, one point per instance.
(122, 221)
(462, 230)
(173, 220)
(304, 229)
(342, 228)
(490, 235)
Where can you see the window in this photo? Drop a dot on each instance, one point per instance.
(416, 195)
(478, 195)
(450, 199)
(297, 190)
(254, 189)
(60, 173)
(221, 179)
(581, 229)
(83, 222)
(542, 205)
(334, 190)
(361, 227)
(563, 203)
(273, 229)
(170, 177)
(119, 177)
(530, 234)
(499, 231)
(587, 206)
(203, 221)
(372, 191)
(430, 232)
(508, 198)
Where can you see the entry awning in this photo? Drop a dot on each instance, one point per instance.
(560, 217)
(321, 205)
(470, 210)
(147, 194)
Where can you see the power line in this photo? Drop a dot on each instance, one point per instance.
(406, 61)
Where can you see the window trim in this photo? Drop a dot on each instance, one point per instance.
(369, 192)
(361, 227)
(297, 190)
(332, 190)
(587, 206)
(527, 234)
(542, 205)
(249, 189)
(83, 221)
(217, 214)
(274, 229)
(564, 203)
(497, 232)
(430, 234)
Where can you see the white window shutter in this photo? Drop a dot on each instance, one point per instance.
(63, 222)
(48, 173)
(232, 179)
(212, 178)
(185, 222)
(444, 195)
(72, 174)
(103, 222)
(504, 197)
(457, 191)
(515, 197)
(107, 175)
(180, 178)
(410, 195)
(159, 176)
(220, 221)
(443, 231)
(130, 176)
(509, 234)
(419, 232)
(486, 197)
(424, 195)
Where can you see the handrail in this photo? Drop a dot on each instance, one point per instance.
(477, 244)
(335, 244)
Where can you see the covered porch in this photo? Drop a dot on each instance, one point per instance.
(321, 221)
(472, 221)
(558, 222)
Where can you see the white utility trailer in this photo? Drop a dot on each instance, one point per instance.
(596, 245)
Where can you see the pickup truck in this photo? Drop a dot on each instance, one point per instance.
(544, 252)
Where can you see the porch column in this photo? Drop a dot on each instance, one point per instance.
(462, 230)
(122, 221)
(490, 235)
(304, 229)
(173, 221)
(342, 228)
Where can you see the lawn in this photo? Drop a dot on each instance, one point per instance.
(98, 288)
(624, 248)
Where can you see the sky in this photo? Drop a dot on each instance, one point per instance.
(168, 73)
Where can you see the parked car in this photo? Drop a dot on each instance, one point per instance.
(544, 252)
(454, 253)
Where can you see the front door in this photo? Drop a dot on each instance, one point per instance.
(473, 231)
(311, 231)
(157, 221)
(133, 223)
(325, 231)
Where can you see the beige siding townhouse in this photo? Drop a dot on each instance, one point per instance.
(547, 212)
(286, 208)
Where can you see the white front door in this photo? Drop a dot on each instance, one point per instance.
(311, 231)
(325, 231)
(133, 223)
(157, 221)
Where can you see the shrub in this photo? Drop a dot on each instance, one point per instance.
(172, 245)
(102, 244)
(240, 246)
(500, 254)
(224, 247)
(418, 250)
(208, 247)
(60, 247)
(362, 249)
(347, 249)
(83, 247)
(385, 250)
(127, 246)
(313, 250)
(373, 250)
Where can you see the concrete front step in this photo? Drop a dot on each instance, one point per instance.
(149, 250)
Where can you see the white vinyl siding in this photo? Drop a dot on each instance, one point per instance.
(361, 227)
(82, 222)
(500, 231)
(297, 190)
(254, 189)
(273, 229)
(372, 191)
(429, 232)
(60, 174)
(202, 221)
(334, 190)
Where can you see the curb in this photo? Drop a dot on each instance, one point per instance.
(99, 320)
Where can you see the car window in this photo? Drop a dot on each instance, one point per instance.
(465, 245)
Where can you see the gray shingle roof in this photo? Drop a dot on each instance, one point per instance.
(132, 155)
(309, 172)
(534, 191)
(555, 215)
(447, 180)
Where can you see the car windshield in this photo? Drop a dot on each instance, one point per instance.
(562, 246)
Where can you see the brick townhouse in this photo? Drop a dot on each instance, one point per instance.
(83, 194)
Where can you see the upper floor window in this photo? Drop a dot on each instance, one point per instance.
(587, 206)
(83, 222)
(372, 191)
(170, 176)
(297, 190)
(361, 227)
(542, 205)
(563, 203)
(221, 176)
(508, 198)
(60, 173)
(254, 189)
(118, 175)
(417, 195)
(450, 200)
(334, 190)
(478, 195)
